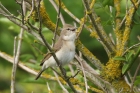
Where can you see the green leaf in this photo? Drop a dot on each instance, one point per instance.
(137, 81)
(125, 67)
(26, 57)
(119, 58)
(130, 60)
(136, 22)
(129, 55)
(108, 2)
(98, 5)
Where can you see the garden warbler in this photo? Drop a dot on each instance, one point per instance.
(64, 49)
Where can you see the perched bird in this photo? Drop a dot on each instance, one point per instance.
(64, 49)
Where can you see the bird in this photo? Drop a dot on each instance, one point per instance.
(64, 49)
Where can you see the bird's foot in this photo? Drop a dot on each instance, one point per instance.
(64, 72)
(75, 74)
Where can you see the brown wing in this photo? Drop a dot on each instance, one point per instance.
(56, 47)
(47, 56)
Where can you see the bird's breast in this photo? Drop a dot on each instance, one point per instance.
(69, 45)
(66, 53)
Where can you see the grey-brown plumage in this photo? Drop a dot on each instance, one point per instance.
(64, 49)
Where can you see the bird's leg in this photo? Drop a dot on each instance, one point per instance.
(60, 64)
(75, 74)
(64, 72)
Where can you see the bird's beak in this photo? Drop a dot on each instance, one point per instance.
(77, 30)
(74, 29)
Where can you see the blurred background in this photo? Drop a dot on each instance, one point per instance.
(24, 81)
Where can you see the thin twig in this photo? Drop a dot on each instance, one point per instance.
(31, 26)
(16, 59)
(29, 15)
(134, 77)
(86, 85)
(39, 17)
(37, 49)
(12, 16)
(15, 42)
(3, 8)
(17, 51)
(57, 22)
(111, 38)
(49, 89)
(58, 10)
(64, 89)
(13, 71)
(23, 66)
(32, 9)
(133, 46)
(113, 22)
(23, 8)
(18, 2)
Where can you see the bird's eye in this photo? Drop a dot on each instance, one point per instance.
(68, 29)
(73, 30)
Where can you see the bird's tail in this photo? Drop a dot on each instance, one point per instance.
(39, 74)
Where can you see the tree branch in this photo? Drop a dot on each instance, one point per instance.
(17, 51)
(103, 38)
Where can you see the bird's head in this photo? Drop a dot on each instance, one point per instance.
(69, 30)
